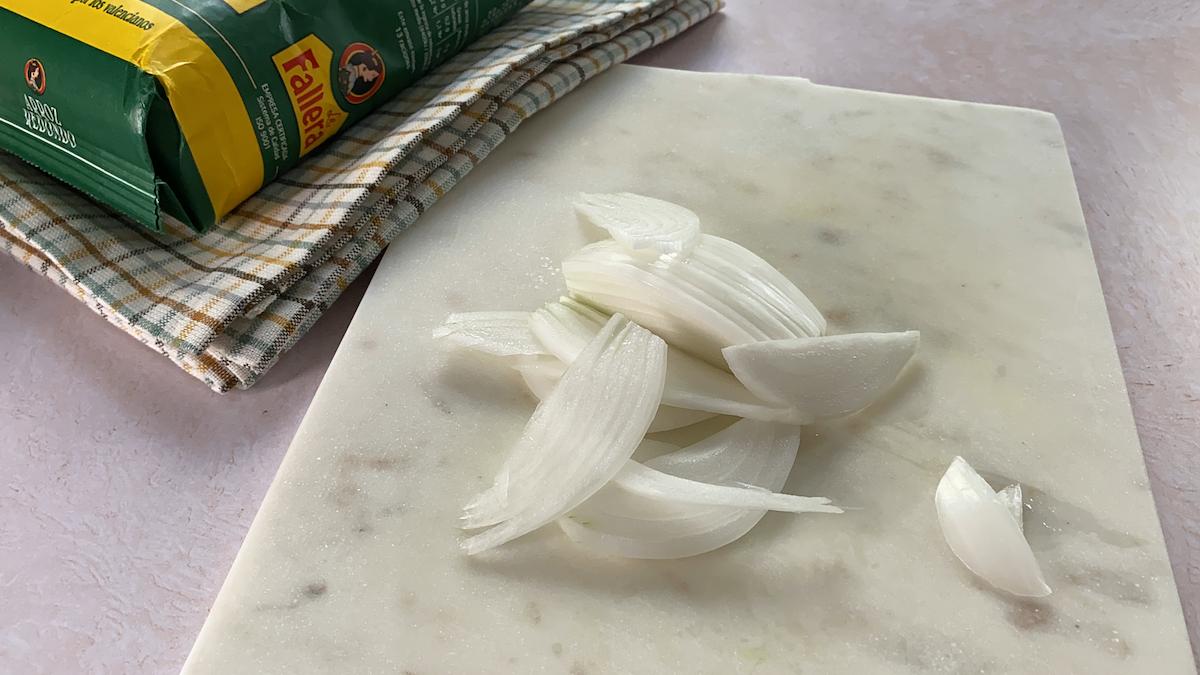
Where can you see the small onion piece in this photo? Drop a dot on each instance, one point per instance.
(1012, 497)
(617, 522)
(643, 225)
(824, 376)
(578, 438)
(980, 529)
(503, 334)
(718, 295)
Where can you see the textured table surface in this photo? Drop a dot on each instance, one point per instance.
(126, 488)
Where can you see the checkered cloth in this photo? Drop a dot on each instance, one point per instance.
(226, 304)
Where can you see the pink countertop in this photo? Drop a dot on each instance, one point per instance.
(126, 486)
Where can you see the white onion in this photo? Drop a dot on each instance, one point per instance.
(981, 530)
(563, 327)
(643, 481)
(824, 376)
(504, 334)
(718, 295)
(643, 225)
(541, 376)
(617, 522)
(1013, 499)
(578, 438)
(744, 341)
(669, 417)
(508, 335)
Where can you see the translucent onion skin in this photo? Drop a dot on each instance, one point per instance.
(980, 529)
(502, 334)
(578, 438)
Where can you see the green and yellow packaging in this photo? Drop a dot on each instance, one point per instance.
(187, 107)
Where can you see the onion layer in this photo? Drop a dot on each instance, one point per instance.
(504, 334)
(824, 376)
(563, 327)
(718, 295)
(616, 521)
(643, 225)
(578, 438)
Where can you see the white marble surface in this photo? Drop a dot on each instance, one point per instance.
(959, 220)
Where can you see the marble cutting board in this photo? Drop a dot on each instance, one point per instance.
(957, 219)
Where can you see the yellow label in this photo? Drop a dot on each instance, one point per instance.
(203, 96)
(243, 6)
(304, 68)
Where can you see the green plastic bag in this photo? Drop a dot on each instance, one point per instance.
(188, 108)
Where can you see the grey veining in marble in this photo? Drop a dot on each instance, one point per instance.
(959, 220)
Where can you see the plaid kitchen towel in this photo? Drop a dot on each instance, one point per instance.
(224, 305)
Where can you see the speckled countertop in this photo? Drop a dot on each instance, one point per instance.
(126, 489)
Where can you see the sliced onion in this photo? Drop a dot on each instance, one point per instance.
(979, 527)
(617, 522)
(504, 334)
(696, 385)
(643, 225)
(563, 327)
(824, 376)
(748, 451)
(720, 294)
(669, 417)
(541, 376)
(1011, 496)
(757, 276)
(578, 438)
(639, 479)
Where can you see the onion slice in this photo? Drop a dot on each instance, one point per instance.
(643, 225)
(639, 479)
(979, 527)
(720, 294)
(616, 521)
(1014, 500)
(563, 327)
(824, 376)
(669, 417)
(541, 377)
(579, 437)
(504, 334)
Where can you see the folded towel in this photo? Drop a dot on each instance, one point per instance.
(224, 305)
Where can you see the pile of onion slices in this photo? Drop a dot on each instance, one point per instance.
(664, 327)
